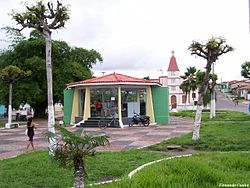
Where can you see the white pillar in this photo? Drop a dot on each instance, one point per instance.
(7, 125)
(120, 107)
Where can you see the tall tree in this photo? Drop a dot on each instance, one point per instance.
(210, 51)
(185, 87)
(45, 19)
(71, 150)
(10, 75)
(190, 80)
(245, 70)
(70, 64)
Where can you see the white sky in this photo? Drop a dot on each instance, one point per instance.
(136, 37)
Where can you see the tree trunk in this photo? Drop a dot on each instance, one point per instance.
(202, 91)
(10, 106)
(214, 102)
(197, 123)
(78, 174)
(212, 105)
(51, 116)
(186, 101)
(193, 98)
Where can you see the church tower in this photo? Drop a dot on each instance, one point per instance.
(173, 69)
(173, 80)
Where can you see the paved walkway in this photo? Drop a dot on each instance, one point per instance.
(225, 103)
(13, 141)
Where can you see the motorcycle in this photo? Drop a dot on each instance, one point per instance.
(141, 120)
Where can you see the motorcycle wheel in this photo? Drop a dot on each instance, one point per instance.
(146, 124)
(131, 124)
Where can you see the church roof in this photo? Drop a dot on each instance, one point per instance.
(173, 64)
(114, 78)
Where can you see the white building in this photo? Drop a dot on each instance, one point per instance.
(177, 99)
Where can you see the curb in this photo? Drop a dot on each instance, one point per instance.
(153, 162)
(140, 168)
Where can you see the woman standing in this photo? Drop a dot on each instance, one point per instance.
(30, 126)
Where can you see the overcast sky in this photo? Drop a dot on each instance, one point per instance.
(136, 37)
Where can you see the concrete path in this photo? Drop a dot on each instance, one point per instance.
(13, 141)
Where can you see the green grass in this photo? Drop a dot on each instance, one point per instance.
(1, 123)
(33, 170)
(221, 115)
(202, 170)
(36, 169)
(229, 131)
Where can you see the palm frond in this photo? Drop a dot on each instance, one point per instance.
(71, 147)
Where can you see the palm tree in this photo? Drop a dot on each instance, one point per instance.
(71, 150)
(45, 19)
(191, 74)
(185, 87)
(189, 83)
(11, 74)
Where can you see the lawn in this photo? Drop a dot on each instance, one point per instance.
(221, 115)
(37, 170)
(209, 169)
(1, 123)
(229, 131)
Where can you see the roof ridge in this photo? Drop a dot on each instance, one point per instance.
(116, 77)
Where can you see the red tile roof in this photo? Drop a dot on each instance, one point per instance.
(173, 64)
(114, 78)
(247, 87)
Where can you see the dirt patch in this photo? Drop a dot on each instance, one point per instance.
(182, 151)
(106, 178)
(178, 151)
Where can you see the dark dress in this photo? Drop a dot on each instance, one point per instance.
(30, 133)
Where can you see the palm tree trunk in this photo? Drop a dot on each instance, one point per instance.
(10, 106)
(78, 174)
(51, 116)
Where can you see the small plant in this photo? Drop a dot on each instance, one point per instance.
(71, 150)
